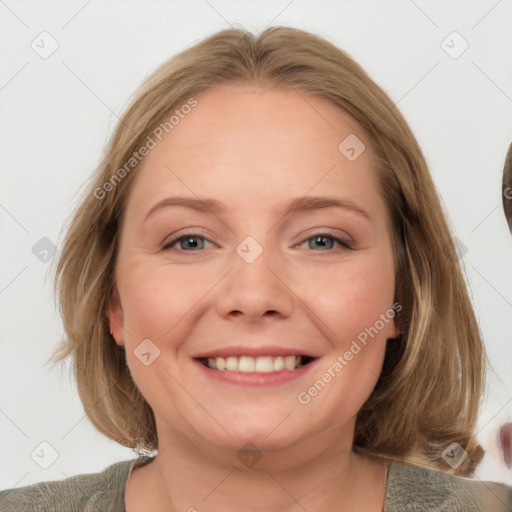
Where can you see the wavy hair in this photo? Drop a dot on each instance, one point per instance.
(429, 391)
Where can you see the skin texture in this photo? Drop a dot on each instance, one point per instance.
(255, 150)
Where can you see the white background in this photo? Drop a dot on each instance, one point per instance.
(57, 113)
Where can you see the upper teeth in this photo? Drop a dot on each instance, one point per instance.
(263, 364)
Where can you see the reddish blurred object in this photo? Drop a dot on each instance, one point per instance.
(505, 443)
(507, 188)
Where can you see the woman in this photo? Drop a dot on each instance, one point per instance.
(260, 285)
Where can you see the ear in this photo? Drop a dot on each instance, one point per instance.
(394, 330)
(115, 317)
(393, 325)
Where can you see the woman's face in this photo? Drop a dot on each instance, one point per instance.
(279, 250)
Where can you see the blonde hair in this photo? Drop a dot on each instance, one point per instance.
(428, 394)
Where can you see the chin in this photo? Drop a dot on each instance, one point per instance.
(262, 435)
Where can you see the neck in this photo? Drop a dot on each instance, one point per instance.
(315, 475)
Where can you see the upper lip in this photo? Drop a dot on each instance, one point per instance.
(239, 351)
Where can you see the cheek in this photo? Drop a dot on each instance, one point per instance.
(351, 300)
(356, 305)
(160, 300)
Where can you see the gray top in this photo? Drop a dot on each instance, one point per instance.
(408, 489)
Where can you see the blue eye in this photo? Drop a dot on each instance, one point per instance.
(326, 241)
(189, 241)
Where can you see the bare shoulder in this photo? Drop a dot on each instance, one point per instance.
(412, 488)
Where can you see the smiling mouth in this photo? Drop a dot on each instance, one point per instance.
(261, 364)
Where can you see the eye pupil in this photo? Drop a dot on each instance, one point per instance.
(320, 240)
(192, 240)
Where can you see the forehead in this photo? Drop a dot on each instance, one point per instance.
(254, 146)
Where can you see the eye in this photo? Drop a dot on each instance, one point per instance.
(193, 242)
(187, 242)
(325, 242)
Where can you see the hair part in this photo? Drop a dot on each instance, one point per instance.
(428, 394)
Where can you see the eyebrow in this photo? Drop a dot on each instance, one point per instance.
(296, 205)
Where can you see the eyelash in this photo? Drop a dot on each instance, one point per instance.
(176, 239)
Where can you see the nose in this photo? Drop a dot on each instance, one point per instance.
(255, 290)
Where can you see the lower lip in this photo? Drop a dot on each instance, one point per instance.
(254, 378)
